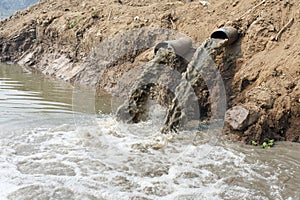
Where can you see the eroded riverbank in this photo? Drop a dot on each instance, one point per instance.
(87, 44)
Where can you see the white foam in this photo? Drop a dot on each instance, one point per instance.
(113, 160)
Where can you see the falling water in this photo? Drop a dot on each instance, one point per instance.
(185, 106)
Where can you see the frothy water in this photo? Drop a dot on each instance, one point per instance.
(69, 153)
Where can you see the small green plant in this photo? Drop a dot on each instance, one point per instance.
(73, 23)
(254, 143)
(266, 144)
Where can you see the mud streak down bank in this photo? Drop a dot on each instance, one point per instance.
(185, 107)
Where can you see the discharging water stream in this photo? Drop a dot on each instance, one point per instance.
(61, 142)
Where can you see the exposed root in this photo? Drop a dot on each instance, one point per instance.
(287, 25)
(252, 9)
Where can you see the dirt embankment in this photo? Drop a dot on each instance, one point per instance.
(68, 40)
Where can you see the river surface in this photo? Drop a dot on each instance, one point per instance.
(62, 142)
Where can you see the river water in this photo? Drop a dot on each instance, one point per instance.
(61, 142)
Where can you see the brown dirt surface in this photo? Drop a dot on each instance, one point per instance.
(59, 37)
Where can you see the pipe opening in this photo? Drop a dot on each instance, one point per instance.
(219, 35)
(180, 46)
(160, 45)
(226, 33)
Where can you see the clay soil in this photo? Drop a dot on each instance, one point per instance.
(59, 39)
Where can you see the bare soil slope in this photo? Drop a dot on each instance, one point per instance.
(263, 84)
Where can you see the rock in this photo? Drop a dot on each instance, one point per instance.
(240, 117)
(237, 117)
(204, 3)
(262, 96)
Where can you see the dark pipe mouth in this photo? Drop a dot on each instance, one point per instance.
(160, 45)
(219, 35)
(226, 33)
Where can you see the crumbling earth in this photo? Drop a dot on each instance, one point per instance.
(70, 40)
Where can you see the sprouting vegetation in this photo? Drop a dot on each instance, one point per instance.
(73, 23)
(266, 144)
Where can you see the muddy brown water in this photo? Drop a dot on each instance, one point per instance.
(61, 142)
